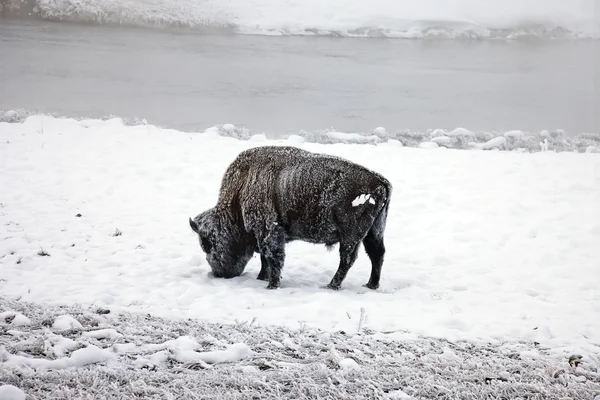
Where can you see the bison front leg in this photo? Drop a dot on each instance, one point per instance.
(348, 255)
(263, 275)
(272, 251)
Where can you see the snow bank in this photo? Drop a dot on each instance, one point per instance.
(481, 244)
(355, 18)
(459, 138)
(351, 137)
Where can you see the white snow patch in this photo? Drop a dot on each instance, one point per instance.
(429, 145)
(446, 355)
(352, 137)
(493, 143)
(79, 358)
(213, 130)
(154, 360)
(66, 322)
(90, 355)
(20, 320)
(296, 139)
(380, 130)
(59, 346)
(530, 354)
(362, 199)
(122, 348)
(235, 352)
(15, 318)
(258, 138)
(514, 134)
(250, 369)
(396, 395)
(228, 128)
(290, 343)
(10, 116)
(180, 343)
(10, 392)
(442, 140)
(393, 143)
(183, 349)
(349, 364)
(438, 132)
(461, 132)
(592, 149)
(103, 334)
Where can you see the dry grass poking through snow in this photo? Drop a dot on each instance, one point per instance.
(139, 356)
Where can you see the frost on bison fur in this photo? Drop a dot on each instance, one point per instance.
(272, 195)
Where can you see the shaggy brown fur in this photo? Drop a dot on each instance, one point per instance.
(272, 195)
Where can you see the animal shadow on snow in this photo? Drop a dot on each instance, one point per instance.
(304, 274)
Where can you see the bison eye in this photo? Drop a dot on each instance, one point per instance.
(205, 244)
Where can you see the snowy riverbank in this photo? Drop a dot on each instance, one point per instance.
(410, 19)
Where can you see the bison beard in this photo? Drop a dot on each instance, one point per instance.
(272, 195)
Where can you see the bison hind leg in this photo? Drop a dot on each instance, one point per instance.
(348, 255)
(375, 249)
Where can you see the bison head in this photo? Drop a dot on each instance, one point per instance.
(226, 251)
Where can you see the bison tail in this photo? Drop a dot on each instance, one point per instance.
(378, 227)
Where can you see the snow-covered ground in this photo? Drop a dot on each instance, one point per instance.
(109, 355)
(489, 245)
(356, 18)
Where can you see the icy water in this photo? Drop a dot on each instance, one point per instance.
(281, 85)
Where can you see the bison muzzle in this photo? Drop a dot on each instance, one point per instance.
(272, 195)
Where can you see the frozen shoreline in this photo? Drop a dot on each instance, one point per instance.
(458, 138)
(467, 19)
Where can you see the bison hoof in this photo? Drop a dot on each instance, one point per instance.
(272, 286)
(262, 277)
(333, 287)
(372, 286)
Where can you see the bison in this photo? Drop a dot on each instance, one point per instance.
(272, 195)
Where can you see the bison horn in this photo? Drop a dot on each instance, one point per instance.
(194, 225)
